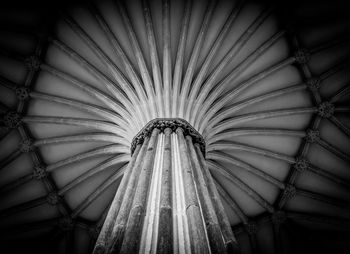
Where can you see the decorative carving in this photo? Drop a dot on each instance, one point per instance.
(33, 63)
(168, 131)
(53, 198)
(302, 56)
(39, 172)
(313, 83)
(251, 228)
(289, 192)
(325, 109)
(66, 223)
(22, 93)
(312, 136)
(26, 146)
(278, 218)
(12, 119)
(171, 123)
(301, 164)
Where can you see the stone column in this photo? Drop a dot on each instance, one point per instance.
(167, 201)
(108, 225)
(165, 227)
(199, 243)
(214, 234)
(138, 210)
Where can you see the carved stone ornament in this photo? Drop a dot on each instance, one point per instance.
(289, 192)
(312, 136)
(12, 119)
(313, 83)
(325, 109)
(26, 146)
(302, 56)
(53, 198)
(22, 93)
(171, 123)
(301, 164)
(33, 63)
(39, 172)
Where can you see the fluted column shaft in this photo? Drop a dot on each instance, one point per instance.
(197, 231)
(165, 230)
(137, 212)
(227, 234)
(167, 201)
(107, 228)
(122, 217)
(210, 218)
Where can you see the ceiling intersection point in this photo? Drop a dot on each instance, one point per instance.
(33, 63)
(325, 109)
(53, 198)
(22, 92)
(312, 136)
(26, 145)
(301, 164)
(39, 172)
(313, 84)
(12, 119)
(302, 56)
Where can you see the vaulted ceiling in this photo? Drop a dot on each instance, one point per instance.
(266, 84)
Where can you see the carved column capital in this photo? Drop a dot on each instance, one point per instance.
(168, 131)
(170, 125)
(178, 130)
